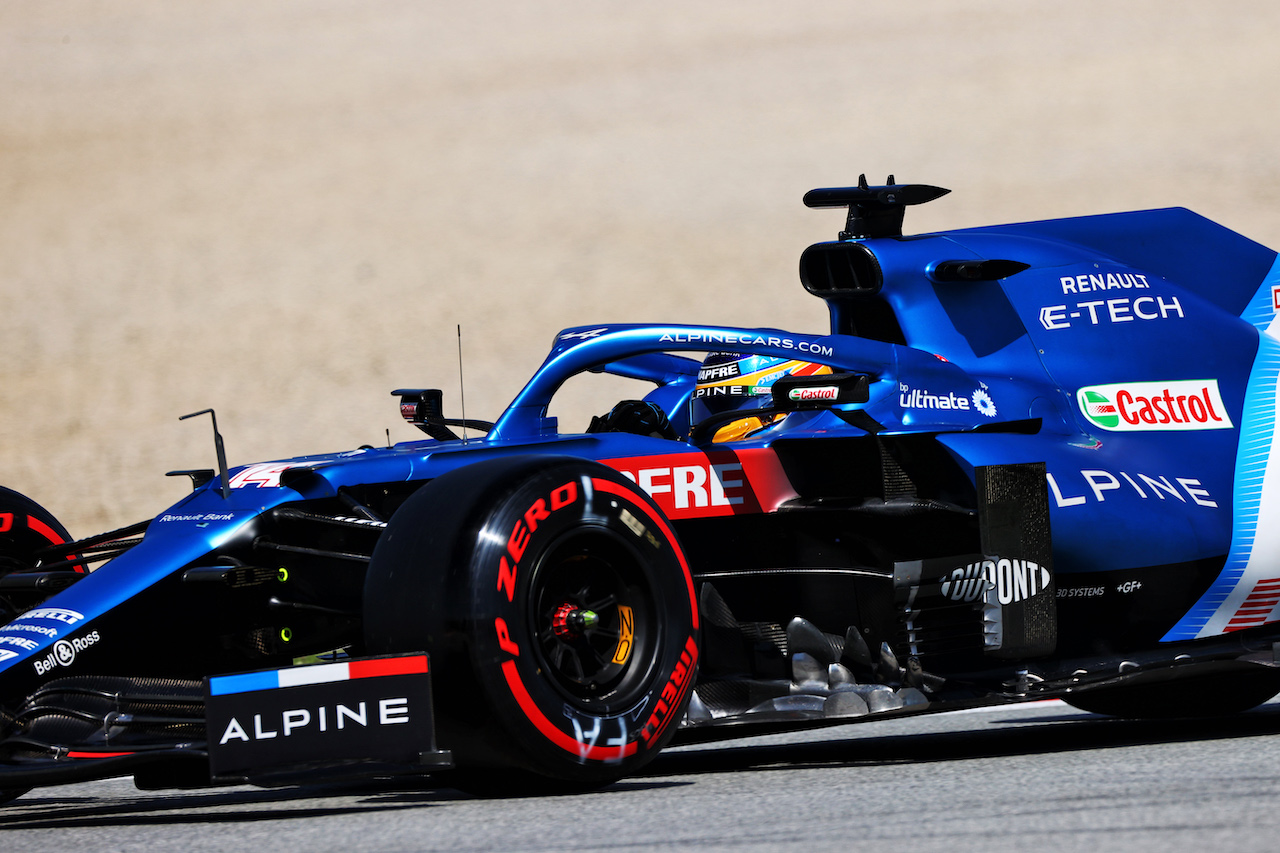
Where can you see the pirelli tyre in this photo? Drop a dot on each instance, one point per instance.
(25, 529)
(559, 613)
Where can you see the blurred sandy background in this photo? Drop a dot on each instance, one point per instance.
(283, 210)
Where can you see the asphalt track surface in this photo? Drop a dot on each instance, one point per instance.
(1014, 778)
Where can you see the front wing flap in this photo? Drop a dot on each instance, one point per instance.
(358, 713)
(366, 717)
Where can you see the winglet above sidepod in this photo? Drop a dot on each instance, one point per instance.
(873, 211)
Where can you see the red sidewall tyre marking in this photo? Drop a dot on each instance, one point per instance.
(523, 559)
(44, 530)
(549, 730)
(26, 528)
(477, 567)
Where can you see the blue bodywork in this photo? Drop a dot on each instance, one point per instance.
(1158, 495)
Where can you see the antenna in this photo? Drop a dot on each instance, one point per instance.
(462, 387)
(217, 446)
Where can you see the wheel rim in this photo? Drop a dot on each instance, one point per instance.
(593, 614)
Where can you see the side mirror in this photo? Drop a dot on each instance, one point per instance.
(793, 393)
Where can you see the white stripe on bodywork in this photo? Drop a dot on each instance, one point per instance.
(1255, 546)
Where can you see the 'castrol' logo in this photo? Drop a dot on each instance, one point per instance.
(825, 392)
(1192, 404)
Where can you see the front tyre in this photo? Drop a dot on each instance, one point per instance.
(559, 612)
(26, 529)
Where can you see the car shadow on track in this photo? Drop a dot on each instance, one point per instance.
(46, 809)
(988, 738)
(971, 737)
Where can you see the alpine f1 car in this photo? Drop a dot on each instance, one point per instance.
(1027, 461)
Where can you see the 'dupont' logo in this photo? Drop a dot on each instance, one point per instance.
(1009, 580)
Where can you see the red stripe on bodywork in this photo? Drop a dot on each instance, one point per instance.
(387, 666)
(708, 484)
(1260, 601)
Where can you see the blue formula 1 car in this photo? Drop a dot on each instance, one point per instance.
(1028, 461)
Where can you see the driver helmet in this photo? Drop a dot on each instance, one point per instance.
(733, 382)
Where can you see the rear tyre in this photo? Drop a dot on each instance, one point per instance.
(559, 613)
(25, 529)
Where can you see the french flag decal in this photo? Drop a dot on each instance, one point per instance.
(325, 673)
(362, 716)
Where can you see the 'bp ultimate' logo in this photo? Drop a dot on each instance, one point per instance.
(1190, 404)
